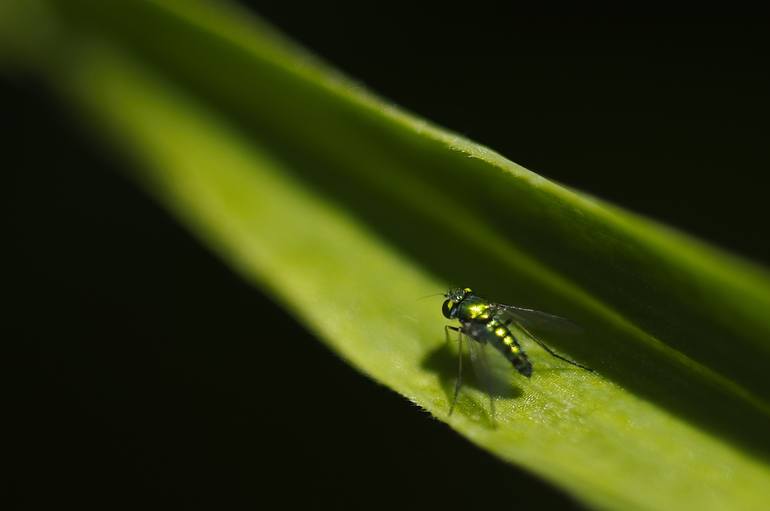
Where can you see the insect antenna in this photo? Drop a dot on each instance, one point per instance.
(431, 296)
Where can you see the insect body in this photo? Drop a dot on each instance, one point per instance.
(483, 322)
(487, 322)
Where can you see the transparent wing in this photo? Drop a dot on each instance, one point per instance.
(494, 374)
(524, 319)
(484, 373)
(534, 319)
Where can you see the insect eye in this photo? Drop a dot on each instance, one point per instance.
(446, 309)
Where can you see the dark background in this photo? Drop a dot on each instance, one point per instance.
(143, 372)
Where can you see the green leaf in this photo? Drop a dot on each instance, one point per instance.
(348, 210)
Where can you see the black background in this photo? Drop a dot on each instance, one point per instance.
(143, 369)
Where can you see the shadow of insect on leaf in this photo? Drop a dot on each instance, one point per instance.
(476, 404)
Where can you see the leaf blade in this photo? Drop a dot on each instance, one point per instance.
(220, 202)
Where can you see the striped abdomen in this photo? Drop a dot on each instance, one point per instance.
(484, 327)
(499, 336)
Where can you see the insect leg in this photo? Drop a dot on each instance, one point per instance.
(447, 328)
(553, 353)
(459, 381)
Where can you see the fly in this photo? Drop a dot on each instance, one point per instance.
(486, 322)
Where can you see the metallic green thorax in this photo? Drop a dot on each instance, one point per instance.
(481, 322)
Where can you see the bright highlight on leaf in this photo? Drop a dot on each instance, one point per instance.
(348, 211)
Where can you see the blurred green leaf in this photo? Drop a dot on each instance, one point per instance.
(348, 210)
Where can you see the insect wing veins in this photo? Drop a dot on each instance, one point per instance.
(534, 319)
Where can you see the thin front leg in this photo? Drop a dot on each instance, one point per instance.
(459, 381)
